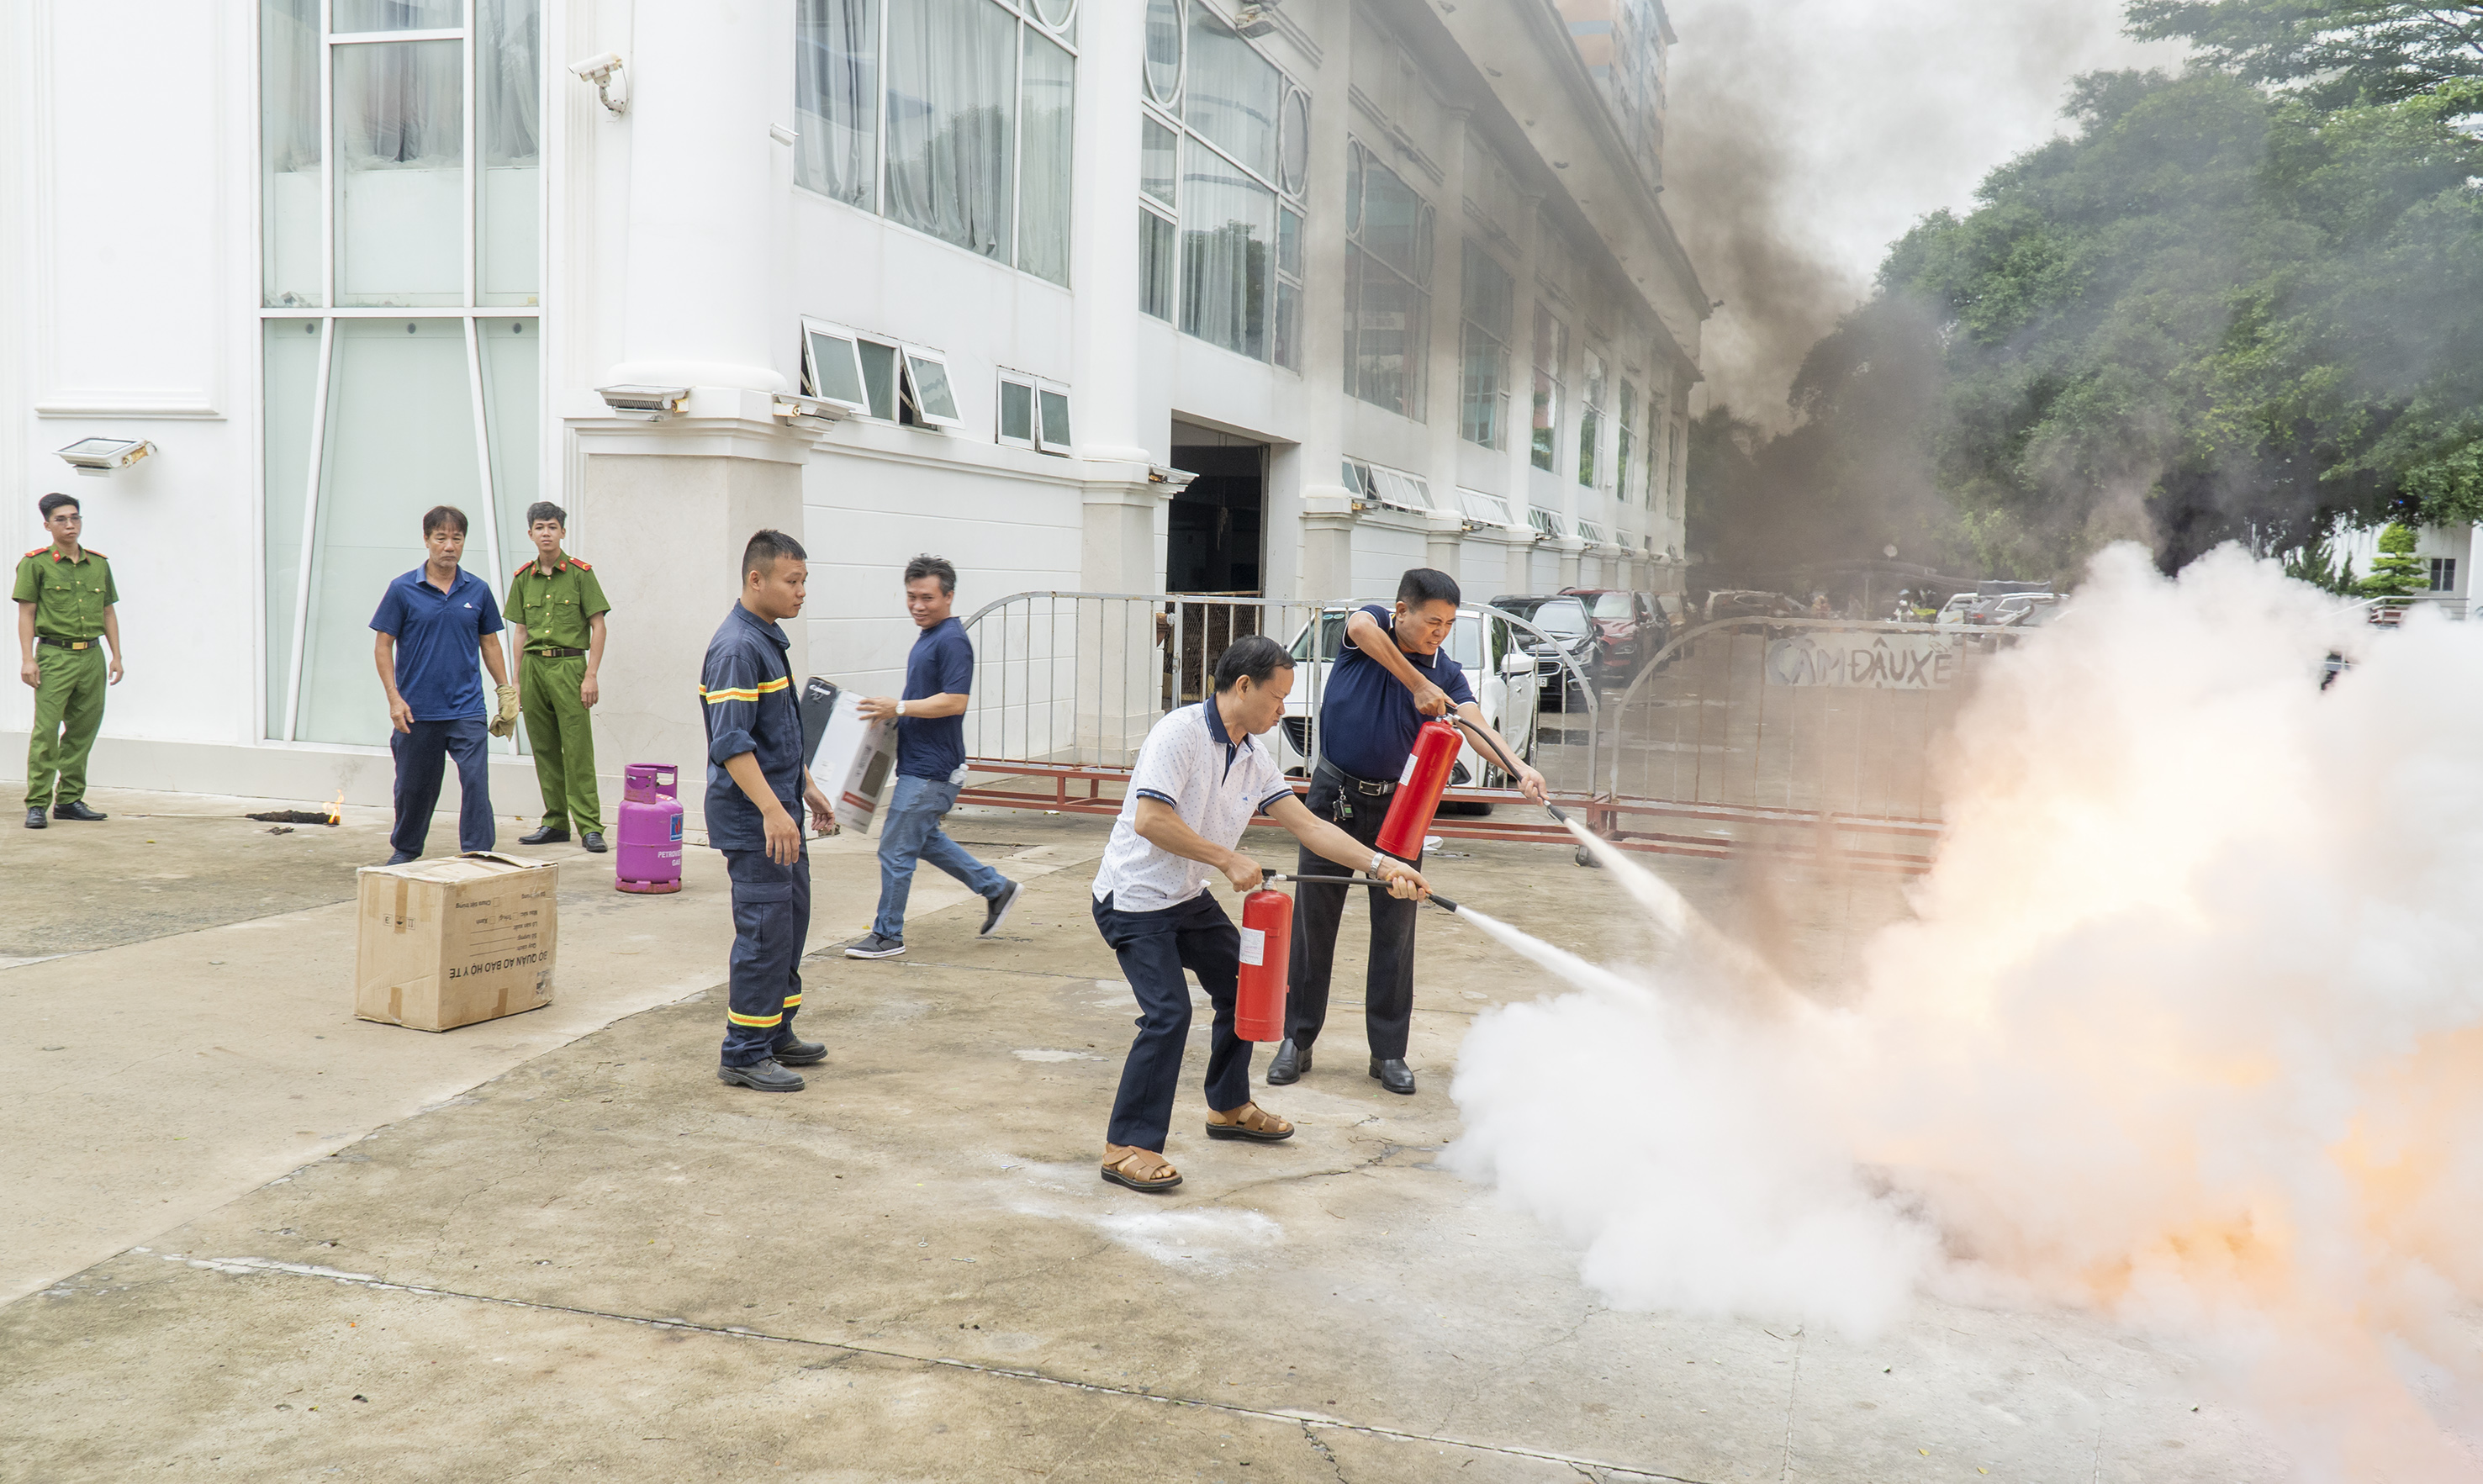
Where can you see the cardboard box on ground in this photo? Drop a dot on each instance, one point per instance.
(850, 759)
(454, 940)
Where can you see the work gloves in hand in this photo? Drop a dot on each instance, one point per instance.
(507, 721)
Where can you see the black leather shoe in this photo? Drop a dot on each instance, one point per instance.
(593, 839)
(35, 819)
(400, 858)
(1289, 1066)
(547, 835)
(77, 809)
(800, 1053)
(767, 1076)
(1393, 1074)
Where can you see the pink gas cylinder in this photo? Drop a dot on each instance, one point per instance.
(649, 856)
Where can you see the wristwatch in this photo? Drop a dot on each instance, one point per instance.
(900, 707)
(1378, 861)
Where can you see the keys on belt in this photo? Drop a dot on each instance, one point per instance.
(67, 644)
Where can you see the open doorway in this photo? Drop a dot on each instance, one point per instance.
(1215, 543)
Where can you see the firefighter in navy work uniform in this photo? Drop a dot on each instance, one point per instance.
(755, 787)
(65, 600)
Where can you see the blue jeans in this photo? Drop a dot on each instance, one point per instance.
(422, 758)
(909, 831)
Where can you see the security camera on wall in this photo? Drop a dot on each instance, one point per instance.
(607, 72)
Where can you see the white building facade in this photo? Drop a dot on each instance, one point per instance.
(966, 277)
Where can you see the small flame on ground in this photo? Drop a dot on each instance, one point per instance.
(337, 809)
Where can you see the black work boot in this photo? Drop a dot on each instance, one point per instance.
(77, 809)
(798, 1052)
(549, 834)
(767, 1076)
(1289, 1066)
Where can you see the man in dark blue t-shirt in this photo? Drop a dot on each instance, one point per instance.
(930, 764)
(1388, 677)
(432, 623)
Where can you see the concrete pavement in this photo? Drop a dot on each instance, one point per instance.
(556, 1248)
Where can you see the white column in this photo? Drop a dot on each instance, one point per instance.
(700, 306)
(1104, 261)
(1447, 365)
(1521, 403)
(1327, 516)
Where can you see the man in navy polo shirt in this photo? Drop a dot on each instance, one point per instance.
(433, 623)
(1388, 677)
(930, 764)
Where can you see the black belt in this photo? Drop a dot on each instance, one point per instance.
(1330, 773)
(67, 644)
(556, 653)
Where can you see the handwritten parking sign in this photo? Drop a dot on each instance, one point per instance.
(1882, 662)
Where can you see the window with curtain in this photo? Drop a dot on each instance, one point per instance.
(1490, 298)
(370, 418)
(1621, 441)
(950, 116)
(1551, 350)
(1387, 283)
(1223, 111)
(1591, 421)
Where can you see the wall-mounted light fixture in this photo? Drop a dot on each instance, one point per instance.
(103, 456)
(653, 404)
(610, 76)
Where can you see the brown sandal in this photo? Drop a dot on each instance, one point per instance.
(1248, 1122)
(1152, 1170)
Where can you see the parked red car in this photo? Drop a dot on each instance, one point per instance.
(1629, 630)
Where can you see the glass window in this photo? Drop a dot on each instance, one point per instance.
(832, 367)
(927, 388)
(1056, 419)
(1159, 157)
(289, 152)
(1293, 142)
(1163, 51)
(835, 97)
(400, 172)
(951, 97)
(1551, 349)
(1043, 160)
(1621, 442)
(1060, 15)
(508, 103)
(1591, 421)
(399, 439)
(1229, 222)
(1287, 349)
(1230, 93)
(351, 15)
(511, 429)
(1490, 298)
(1157, 250)
(292, 366)
(879, 377)
(1387, 271)
(1017, 413)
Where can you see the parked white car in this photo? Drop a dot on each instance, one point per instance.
(1954, 610)
(1496, 664)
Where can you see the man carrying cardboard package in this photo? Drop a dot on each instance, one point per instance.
(755, 782)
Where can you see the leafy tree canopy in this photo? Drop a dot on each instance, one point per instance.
(2332, 51)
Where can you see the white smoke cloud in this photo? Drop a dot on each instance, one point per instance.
(1805, 136)
(2187, 1028)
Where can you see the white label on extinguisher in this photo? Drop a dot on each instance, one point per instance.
(1408, 777)
(1254, 945)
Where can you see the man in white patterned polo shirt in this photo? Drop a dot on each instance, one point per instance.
(1199, 779)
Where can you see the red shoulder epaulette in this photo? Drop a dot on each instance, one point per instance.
(39, 550)
(580, 563)
(91, 551)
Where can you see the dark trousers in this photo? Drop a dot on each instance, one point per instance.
(1154, 947)
(771, 915)
(1388, 990)
(422, 756)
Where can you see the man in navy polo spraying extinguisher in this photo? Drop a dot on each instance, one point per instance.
(1388, 677)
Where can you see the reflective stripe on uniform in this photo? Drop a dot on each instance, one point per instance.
(749, 693)
(760, 1020)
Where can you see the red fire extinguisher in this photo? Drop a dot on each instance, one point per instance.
(1418, 791)
(1266, 948)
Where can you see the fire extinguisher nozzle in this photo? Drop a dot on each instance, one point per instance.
(1441, 902)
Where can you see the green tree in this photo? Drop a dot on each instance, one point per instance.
(2396, 571)
(2316, 563)
(2332, 51)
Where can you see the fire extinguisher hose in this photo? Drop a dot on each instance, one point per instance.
(1508, 763)
(1436, 899)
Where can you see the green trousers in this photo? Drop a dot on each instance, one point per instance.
(560, 730)
(69, 711)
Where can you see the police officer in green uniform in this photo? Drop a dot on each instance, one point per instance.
(65, 596)
(555, 611)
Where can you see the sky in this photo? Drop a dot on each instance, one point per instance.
(1805, 136)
